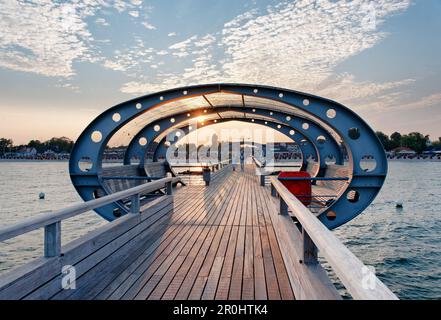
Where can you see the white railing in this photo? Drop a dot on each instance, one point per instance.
(51, 222)
(360, 282)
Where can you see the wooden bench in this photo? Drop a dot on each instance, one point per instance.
(115, 185)
(120, 178)
(156, 169)
(160, 169)
(312, 168)
(324, 192)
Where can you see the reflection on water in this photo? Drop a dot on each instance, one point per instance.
(403, 245)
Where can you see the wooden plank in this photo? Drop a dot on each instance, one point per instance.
(118, 273)
(187, 284)
(213, 278)
(199, 285)
(121, 275)
(105, 272)
(225, 278)
(235, 292)
(248, 268)
(282, 276)
(168, 273)
(176, 283)
(145, 293)
(52, 240)
(125, 280)
(259, 270)
(270, 272)
(141, 289)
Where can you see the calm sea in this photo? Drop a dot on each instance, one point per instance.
(404, 246)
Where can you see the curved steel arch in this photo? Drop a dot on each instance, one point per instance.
(135, 149)
(358, 138)
(329, 148)
(306, 149)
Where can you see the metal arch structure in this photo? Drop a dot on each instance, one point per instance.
(356, 136)
(135, 149)
(321, 152)
(306, 147)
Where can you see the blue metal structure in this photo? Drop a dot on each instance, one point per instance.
(327, 125)
(306, 146)
(305, 137)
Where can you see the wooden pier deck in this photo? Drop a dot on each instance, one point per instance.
(219, 243)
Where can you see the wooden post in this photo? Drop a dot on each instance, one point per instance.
(52, 239)
(283, 207)
(309, 249)
(134, 207)
(273, 190)
(169, 188)
(262, 180)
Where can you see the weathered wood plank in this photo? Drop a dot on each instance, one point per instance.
(248, 267)
(236, 277)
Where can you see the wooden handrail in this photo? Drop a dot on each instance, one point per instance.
(360, 282)
(47, 219)
(258, 163)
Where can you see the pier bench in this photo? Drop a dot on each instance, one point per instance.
(115, 185)
(326, 191)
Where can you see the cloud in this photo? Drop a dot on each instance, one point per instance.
(399, 101)
(45, 37)
(301, 42)
(101, 21)
(134, 13)
(148, 25)
(346, 89)
(128, 60)
(183, 45)
(295, 45)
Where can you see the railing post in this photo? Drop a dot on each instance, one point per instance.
(169, 188)
(309, 249)
(262, 179)
(206, 175)
(134, 207)
(52, 239)
(283, 207)
(273, 190)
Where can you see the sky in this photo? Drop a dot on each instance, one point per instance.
(63, 63)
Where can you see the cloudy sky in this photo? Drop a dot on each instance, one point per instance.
(62, 63)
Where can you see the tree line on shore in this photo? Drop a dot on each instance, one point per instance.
(58, 145)
(414, 140)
